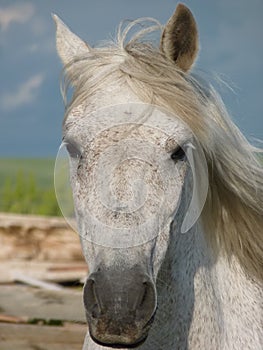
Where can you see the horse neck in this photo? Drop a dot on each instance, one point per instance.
(212, 303)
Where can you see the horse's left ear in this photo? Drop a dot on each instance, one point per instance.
(69, 45)
(179, 40)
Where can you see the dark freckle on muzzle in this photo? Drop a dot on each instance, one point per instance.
(120, 306)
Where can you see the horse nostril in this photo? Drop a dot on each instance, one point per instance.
(110, 297)
(147, 304)
(144, 297)
(90, 299)
(95, 311)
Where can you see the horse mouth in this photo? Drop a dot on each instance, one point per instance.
(129, 339)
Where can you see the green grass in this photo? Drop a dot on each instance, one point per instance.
(26, 186)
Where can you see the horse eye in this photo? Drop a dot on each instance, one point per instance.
(178, 154)
(73, 150)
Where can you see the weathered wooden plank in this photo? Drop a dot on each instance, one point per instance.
(28, 237)
(34, 282)
(46, 271)
(24, 345)
(23, 301)
(12, 319)
(45, 249)
(31, 337)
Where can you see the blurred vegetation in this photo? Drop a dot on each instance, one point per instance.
(26, 187)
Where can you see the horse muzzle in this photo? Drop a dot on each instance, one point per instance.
(120, 307)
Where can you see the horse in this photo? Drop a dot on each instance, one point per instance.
(167, 191)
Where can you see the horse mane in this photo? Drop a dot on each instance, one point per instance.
(233, 213)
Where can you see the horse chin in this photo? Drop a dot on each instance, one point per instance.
(121, 341)
(120, 345)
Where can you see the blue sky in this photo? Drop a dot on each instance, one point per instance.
(31, 108)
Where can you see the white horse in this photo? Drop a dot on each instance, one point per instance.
(168, 196)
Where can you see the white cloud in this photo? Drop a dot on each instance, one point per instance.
(19, 13)
(25, 93)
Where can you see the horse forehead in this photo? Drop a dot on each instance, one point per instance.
(114, 123)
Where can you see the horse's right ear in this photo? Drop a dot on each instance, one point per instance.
(69, 45)
(179, 40)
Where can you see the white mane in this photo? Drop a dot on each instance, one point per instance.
(234, 206)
